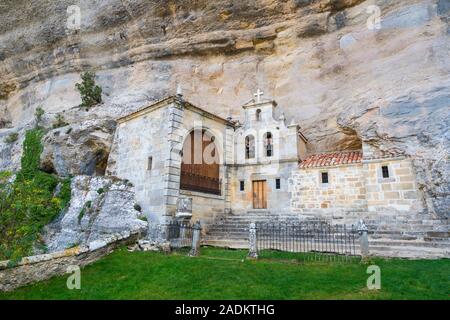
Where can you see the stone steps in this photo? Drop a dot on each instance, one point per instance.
(439, 234)
(403, 243)
(243, 234)
(261, 218)
(231, 236)
(234, 225)
(374, 224)
(236, 232)
(411, 252)
(402, 236)
(225, 243)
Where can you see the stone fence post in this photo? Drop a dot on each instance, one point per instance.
(163, 232)
(196, 237)
(363, 239)
(253, 249)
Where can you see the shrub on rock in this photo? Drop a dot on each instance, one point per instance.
(91, 94)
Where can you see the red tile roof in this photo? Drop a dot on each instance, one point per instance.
(331, 159)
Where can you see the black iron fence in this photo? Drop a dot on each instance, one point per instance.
(180, 234)
(318, 240)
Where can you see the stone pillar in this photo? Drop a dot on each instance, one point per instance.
(172, 164)
(253, 249)
(228, 160)
(363, 239)
(163, 235)
(184, 210)
(196, 237)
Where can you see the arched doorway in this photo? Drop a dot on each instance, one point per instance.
(200, 170)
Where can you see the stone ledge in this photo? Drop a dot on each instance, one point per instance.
(46, 257)
(42, 267)
(201, 194)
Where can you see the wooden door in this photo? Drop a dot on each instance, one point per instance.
(197, 172)
(259, 194)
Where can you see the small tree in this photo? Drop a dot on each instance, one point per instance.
(91, 94)
(59, 122)
(12, 137)
(38, 114)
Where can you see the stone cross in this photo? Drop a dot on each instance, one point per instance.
(179, 90)
(258, 95)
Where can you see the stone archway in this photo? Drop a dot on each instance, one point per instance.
(200, 168)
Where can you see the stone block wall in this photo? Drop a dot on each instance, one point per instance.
(205, 207)
(136, 140)
(357, 191)
(158, 132)
(278, 200)
(341, 197)
(398, 193)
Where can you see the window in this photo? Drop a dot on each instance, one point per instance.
(241, 185)
(277, 184)
(324, 176)
(385, 171)
(249, 147)
(258, 115)
(268, 144)
(150, 163)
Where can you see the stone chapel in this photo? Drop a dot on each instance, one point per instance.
(173, 149)
(258, 168)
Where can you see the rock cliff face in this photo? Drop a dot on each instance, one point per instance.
(328, 63)
(101, 210)
(80, 148)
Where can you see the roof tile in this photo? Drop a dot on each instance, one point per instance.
(331, 159)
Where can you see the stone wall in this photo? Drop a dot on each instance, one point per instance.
(159, 132)
(205, 207)
(357, 191)
(344, 195)
(43, 267)
(399, 192)
(135, 141)
(277, 199)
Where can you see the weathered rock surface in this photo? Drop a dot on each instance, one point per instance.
(11, 152)
(340, 78)
(101, 210)
(78, 148)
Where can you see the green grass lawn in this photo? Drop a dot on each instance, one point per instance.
(226, 274)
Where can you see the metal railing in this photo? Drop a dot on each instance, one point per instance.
(320, 240)
(180, 234)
